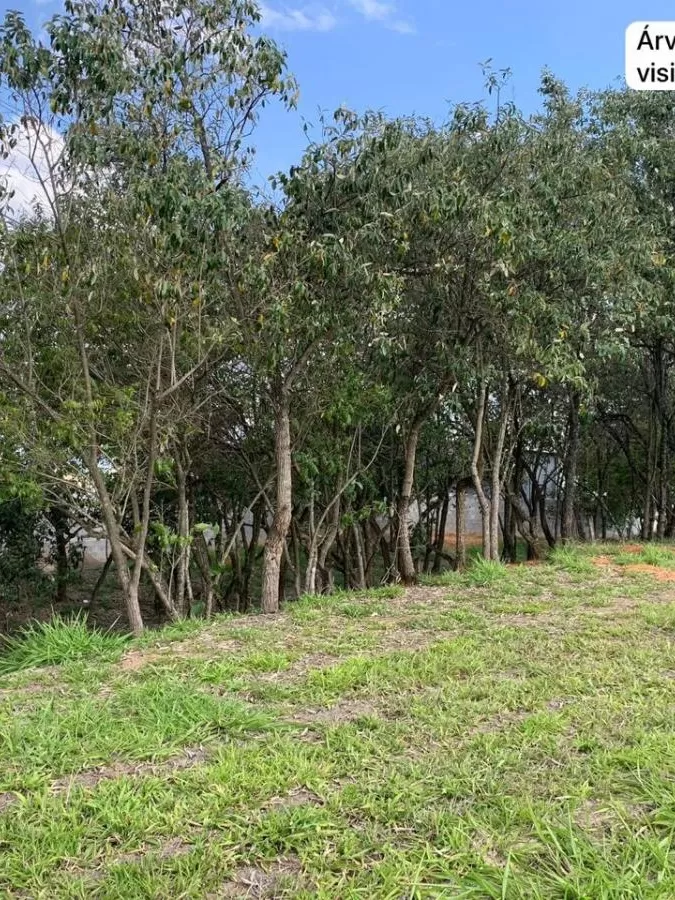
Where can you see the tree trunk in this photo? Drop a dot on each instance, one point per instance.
(203, 560)
(160, 587)
(130, 593)
(371, 543)
(525, 527)
(539, 502)
(406, 564)
(460, 525)
(440, 536)
(183, 536)
(140, 558)
(496, 482)
(313, 548)
(251, 553)
(386, 557)
(648, 503)
(327, 545)
(297, 547)
(276, 537)
(59, 522)
(359, 556)
(663, 481)
(567, 523)
(510, 550)
(100, 580)
(483, 501)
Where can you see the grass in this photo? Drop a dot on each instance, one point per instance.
(571, 560)
(651, 555)
(508, 734)
(57, 641)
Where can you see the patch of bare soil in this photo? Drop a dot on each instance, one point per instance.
(604, 562)
(411, 639)
(198, 647)
(299, 668)
(33, 687)
(90, 778)
(213, 642)
(618, 605)
(170, 850)
(483, 847)
(258, 884)
(500, 721)
(657, 572)
(6, 800)
(419, 596)
(136, 659)
(300, 796)
(597, 818)
(474, 539)
(543, 622)
(340, 713)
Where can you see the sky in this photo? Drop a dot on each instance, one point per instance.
(419, 56)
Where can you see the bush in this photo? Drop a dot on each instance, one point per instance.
(485, 572)
(23, 533)
(58, 641)
(571, 559)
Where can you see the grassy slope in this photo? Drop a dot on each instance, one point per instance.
(510, 734)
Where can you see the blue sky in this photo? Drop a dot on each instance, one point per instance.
(416, 56)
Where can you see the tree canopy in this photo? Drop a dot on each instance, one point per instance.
(251, 400)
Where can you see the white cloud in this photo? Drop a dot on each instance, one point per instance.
(384, 13)
(31, 170)
(320, 18)
(402, 26)
(374, 10)
(301, 19)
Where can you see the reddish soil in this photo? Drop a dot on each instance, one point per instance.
(603, 561)
(136, 659)
(470, 540)
(657, 572)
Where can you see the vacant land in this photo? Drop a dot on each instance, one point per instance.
(509, 734)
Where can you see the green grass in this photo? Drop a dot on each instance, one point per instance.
(480, 573)
(486, 573)
(509, 736)
(571, 559)
(651, 555)
(58, 641)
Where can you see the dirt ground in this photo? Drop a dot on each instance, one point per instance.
(105, 613)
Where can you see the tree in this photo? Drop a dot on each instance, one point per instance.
(124, 279)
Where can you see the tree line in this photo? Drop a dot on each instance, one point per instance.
(255, 396)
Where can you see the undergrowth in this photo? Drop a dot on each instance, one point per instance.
(58, 641)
